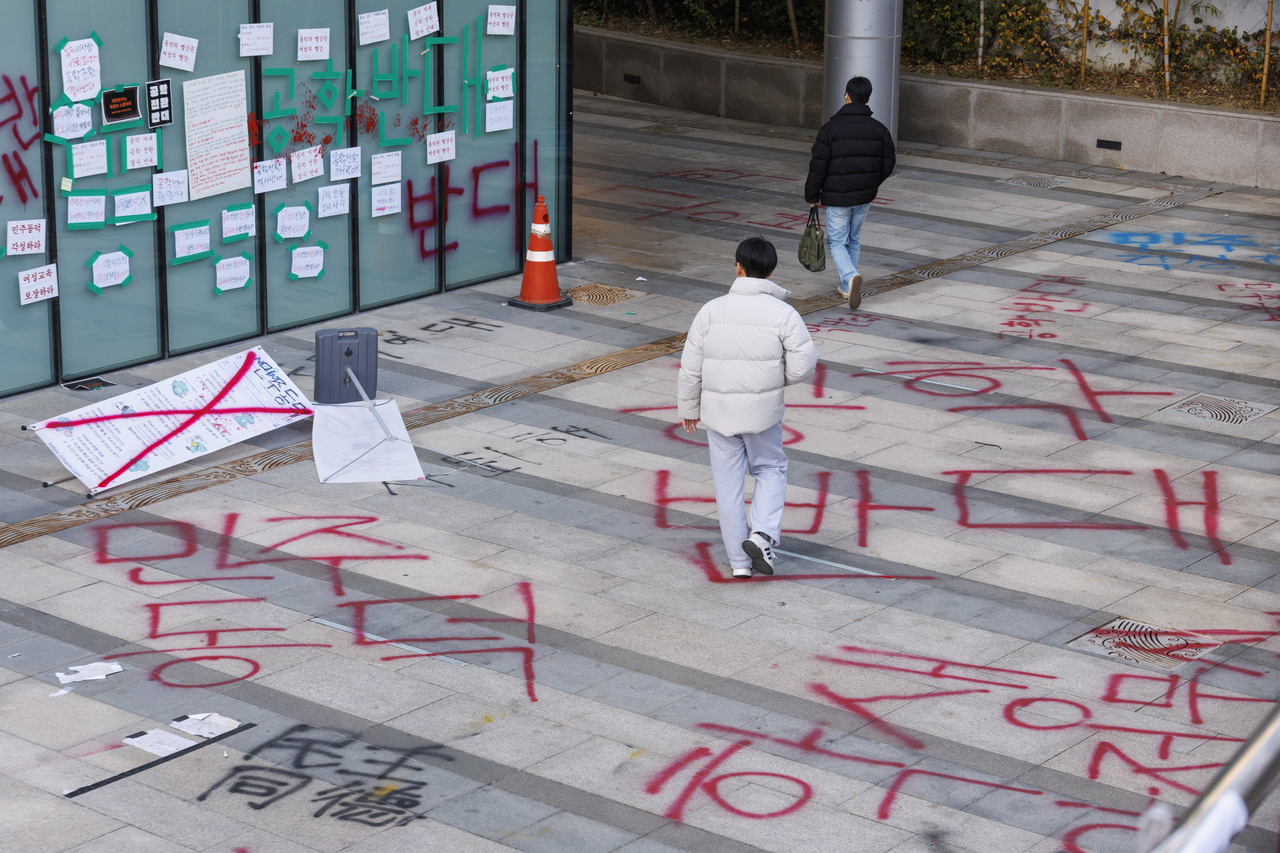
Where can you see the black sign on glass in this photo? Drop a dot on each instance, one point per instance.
(120, 104)
(159, 103)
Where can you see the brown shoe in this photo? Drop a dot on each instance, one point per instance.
(855, 292)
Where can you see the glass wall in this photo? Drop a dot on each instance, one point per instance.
(308, 159)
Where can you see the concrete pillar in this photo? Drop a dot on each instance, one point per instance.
(864, 38)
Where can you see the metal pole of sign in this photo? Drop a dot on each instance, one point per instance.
(1240, 787)
(1266, 57)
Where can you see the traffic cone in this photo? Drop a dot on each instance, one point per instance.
(540, 288)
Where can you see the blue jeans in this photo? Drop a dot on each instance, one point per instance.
(732, 456)
(844, 230)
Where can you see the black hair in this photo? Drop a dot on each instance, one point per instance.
(757, 256)
(858, 89)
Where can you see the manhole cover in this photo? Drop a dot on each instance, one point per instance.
(1138, 642)
(1221, 409)
(598, 294)
(1040, 182)
(89, 384)
(666, 128)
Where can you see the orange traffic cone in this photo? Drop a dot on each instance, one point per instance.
(540, 288)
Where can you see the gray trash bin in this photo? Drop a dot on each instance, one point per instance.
(338, 349)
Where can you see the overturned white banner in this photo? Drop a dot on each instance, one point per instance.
(351, 446)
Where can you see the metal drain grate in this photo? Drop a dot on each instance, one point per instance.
(1138, 642)
(1040, 182)
(1221, 409)
(598, 294)
(666, 128)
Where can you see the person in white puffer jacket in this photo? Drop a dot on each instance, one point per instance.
(741, 351)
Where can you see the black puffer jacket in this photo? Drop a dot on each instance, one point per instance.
(852, 157)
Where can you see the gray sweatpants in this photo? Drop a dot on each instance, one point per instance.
(732, 456)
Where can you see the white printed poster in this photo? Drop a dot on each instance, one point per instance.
(385, 200)
(81, 70)
(386, 168)
(441, 147)
(119, 440)
(89, 158)
(335, 200)
(24, 237)
(141, 151)
(502, 21)
(217, 134)
(423, 21)
(307, 164)
(344, 164)
(374, 27)
(169, 188)
(37, 285)
(72, 122)
(178, 52)
(269, 175)
(499, 115)
(313, 44)
(257, 39)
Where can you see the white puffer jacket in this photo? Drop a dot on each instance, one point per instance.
(741, 350)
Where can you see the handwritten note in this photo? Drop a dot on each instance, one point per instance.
(501, 83)
(313, 44)
(307, 261)
(344, 164)
(502, 21)
(72, 122)
(334, 200)
(217, 128)
(374, 27)
(423, 20)
(293, 222)
(25, 237)
(89, 158)
(257, 39)
(178, 52)
(232, 273)
(81, 70)
(86, 209)
(110, 269)
(37, 285)
(386, 200)
(140, 151)
(499, 115)
(169, 188)
(386, 168)
(133, 204)
(237, 222)
(191, 241)
(441, 147)
(307, 164)
(269, 175)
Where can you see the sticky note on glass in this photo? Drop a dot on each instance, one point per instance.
(24, 237)
(502, 21)
(37, 285)
(178, 52)
(499, 116)
(239, 223)
(191, 241)
(257, 39)
(269, 175)
(72, 122)
(313, 44)
(89, 158)
(307, 164)
(293, 222)
(169, 188)
(344, 164)
(334, 200)
(501, 84)
(81, 70)
(423, 20)
(86, 209)
(133, 204)
(110, 269)
(141, 151)
(375, 27)
(386, 168)
(307, 262)
(385, 199)
(441, 147)
(232, 273)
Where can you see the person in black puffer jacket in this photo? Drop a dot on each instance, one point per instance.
(852, 156)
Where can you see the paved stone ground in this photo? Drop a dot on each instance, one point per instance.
(539, 648)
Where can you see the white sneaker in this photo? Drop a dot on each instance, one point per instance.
(744, 572)
(854, 292)
(760, 549)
